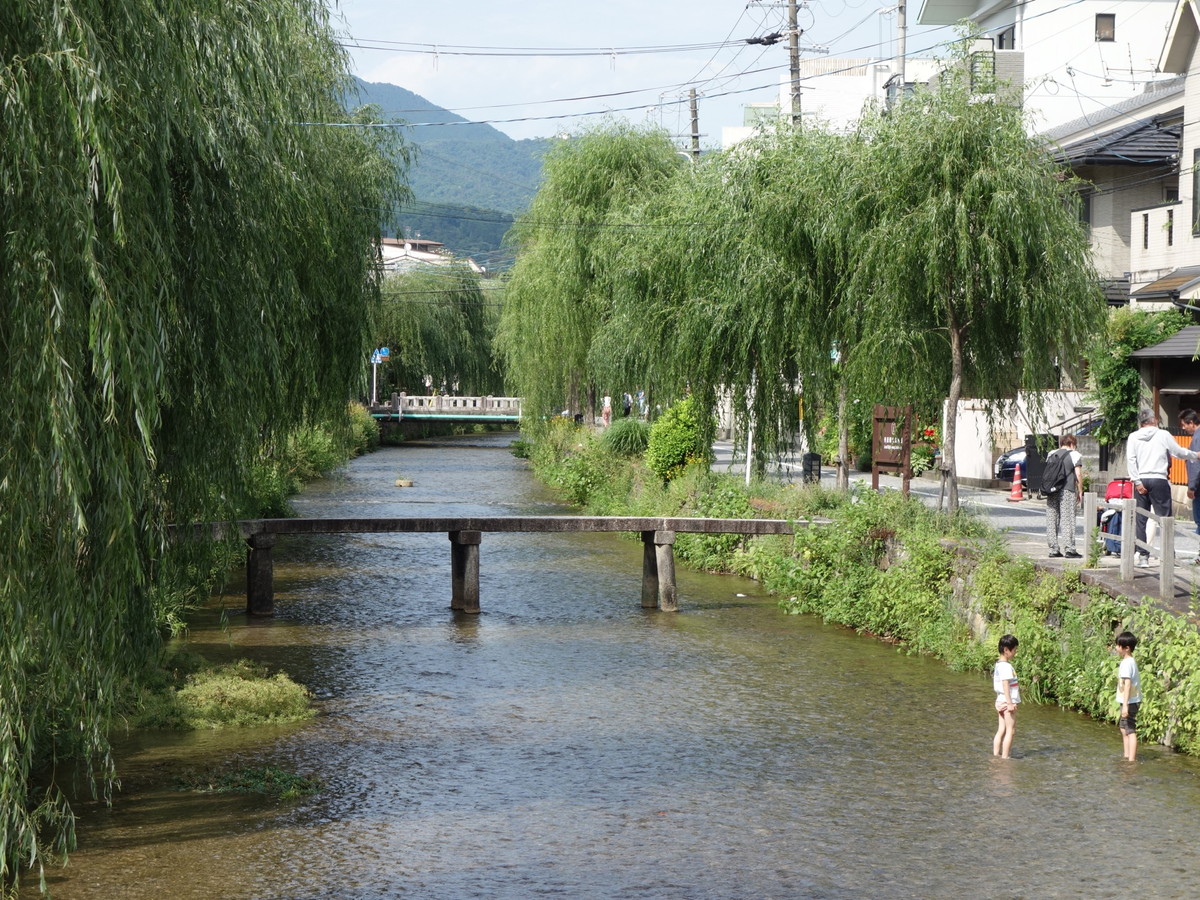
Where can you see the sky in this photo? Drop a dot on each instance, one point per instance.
(537, 69)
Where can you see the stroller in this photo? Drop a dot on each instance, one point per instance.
(1110, 519)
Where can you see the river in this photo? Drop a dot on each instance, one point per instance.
(568, 743)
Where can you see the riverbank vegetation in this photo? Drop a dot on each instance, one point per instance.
(931, 582)
(190, 258)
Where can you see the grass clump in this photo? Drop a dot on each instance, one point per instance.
(189, 694)
(626, 437)
(270, 781)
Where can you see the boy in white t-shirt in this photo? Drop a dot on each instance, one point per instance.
(1004, 682)
(1129, 693)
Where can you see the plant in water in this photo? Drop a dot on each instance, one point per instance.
(272, 781)
(195, 695)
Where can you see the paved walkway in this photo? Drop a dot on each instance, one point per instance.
(1023, 524)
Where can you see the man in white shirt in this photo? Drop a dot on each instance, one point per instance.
(1148, 454)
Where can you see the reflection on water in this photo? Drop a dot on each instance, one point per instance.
(568, 743)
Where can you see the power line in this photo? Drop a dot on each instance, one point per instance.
(521, 52)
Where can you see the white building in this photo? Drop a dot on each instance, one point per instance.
(406, 254)
(833, 93)
(1077, 59)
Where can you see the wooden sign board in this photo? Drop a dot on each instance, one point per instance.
(891, 444)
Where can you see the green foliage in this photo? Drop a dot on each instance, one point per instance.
(437, 323)
(186, 273)
(559, 294)
(975, 277)
(274, 782)
(192, 695)
(678, 438)
(307, 453)
(1115, 382)
(711, 496)
(627, 437)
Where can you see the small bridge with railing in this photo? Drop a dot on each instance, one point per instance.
(447, 408)
(466, 534)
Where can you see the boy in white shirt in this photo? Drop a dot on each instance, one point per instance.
(1129, 693)
(1004, 683)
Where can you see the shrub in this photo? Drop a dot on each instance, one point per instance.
(677, 439)
(626, 437)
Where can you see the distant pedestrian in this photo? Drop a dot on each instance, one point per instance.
(1189, 421)
(626, 404)
(1008, 696)
(1148, 454)
(1062, 504)
(641, 402)
(606, 410)
(1129, 693)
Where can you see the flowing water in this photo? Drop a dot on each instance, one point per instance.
(568, 743)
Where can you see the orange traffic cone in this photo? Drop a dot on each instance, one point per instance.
(1016, 494)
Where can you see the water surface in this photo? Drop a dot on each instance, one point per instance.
(568, 743)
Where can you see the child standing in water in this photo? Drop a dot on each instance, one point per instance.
(1129, 693)
(1004, 682)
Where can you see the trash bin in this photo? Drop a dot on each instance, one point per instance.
(811, 467)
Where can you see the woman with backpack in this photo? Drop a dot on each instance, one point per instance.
(1062, 485)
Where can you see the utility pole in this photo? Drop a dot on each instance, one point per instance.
(794, 61)
(901, 29)
(695, 125)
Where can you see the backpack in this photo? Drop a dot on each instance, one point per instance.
(1057, 472)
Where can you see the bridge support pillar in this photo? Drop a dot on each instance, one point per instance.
(649, 572)
(658, 571)
(260, 575)
(464, 571)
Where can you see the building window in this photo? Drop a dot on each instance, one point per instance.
(1085, 209)
(1171, 195)
(1170, 228)
(1007, 39)
(1145, 231)
(1106, 26)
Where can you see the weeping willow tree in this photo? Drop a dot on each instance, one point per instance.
(744, 290)
(976, 272)
(439, 324)
(186, 259)
(559, 293)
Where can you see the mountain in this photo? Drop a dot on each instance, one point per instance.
(469, 179)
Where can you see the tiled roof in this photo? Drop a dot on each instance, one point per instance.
(1143, 142)
(1118, 112)
(1162, 289)
(1181, 345)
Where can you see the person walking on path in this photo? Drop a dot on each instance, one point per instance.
(1061, 505)
(606, 410)
(1004, 683)
(1148, 454)
(1189, 420)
